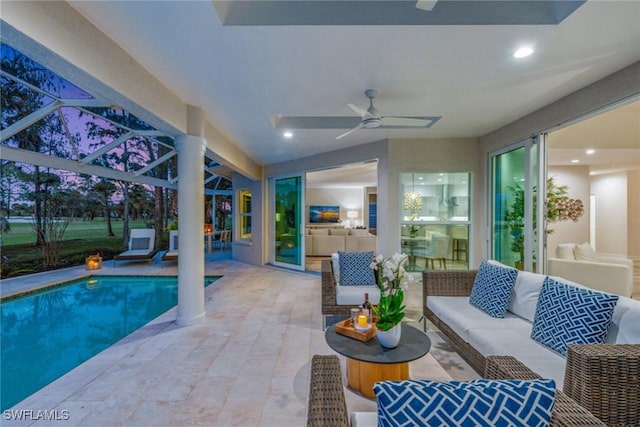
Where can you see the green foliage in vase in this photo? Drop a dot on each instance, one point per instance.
(392, 280)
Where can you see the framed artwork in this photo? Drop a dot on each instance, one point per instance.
(324, 214)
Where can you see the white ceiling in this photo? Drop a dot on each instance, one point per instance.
(243, 76)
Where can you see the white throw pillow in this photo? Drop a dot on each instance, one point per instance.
(584, 251)
(565, 251)
(524, 299)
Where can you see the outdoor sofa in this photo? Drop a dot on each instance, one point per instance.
(603, 378)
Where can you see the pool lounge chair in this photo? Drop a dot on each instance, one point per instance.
(141, 246)
(172, 253)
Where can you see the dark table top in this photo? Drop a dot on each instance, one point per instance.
(413, 345)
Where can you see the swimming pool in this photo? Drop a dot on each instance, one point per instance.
(47, 333)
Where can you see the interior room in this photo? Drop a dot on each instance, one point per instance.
(352, 189)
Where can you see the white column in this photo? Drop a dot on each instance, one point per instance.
(190, 229)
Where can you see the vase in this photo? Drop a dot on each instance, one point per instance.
(390, 338)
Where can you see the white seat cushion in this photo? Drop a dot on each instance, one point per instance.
(462, 316)
(354, 295)
(516, 343)
(364, 419)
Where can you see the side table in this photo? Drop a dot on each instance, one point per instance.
(369, 362)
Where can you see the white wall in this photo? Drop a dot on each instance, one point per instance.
(611, 213)
(347, 198)
(633, 205)
(250, 252)
(578, 180)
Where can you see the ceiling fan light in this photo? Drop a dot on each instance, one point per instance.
(371, 123)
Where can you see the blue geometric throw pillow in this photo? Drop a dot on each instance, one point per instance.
(567, 314)
(472, 403)
(492, 288)
(354, 268)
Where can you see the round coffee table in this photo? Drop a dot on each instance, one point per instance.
(369, 362)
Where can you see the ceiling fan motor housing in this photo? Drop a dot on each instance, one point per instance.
(371, 123)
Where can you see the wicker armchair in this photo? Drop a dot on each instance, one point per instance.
(329, 304)
(327, 406)
(603, 378)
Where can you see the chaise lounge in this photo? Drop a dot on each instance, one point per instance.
(172, 253)
(141, 246)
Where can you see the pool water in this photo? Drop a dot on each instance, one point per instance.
(46, 334)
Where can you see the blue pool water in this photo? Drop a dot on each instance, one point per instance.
(45, 334)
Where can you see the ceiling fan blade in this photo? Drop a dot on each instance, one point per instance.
(359, 111)
(350, 131)
(405, 121)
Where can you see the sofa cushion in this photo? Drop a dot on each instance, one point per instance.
(355, 268)
(338, 232)
(516, 342)
(565, 251)
(335, 263)
(477, 402)
(570, 315)
(584, 251)
(358, 232)
(354, 295)
(462, 317)
(525, 294)
(625, 323)
(492, 288)
(318, 231)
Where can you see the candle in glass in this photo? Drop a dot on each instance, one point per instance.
(362, 320)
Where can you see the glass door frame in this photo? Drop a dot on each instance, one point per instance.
(535, 172)
(301, 221)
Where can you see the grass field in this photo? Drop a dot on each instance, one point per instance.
(20, 256)
(23, 232)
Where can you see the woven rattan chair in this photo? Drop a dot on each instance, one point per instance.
(329, 304)
(327, 407)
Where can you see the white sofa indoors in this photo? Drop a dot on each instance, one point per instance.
(579, 263)
(325, 241)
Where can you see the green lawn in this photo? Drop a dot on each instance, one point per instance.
(23, 233)
(20, 256)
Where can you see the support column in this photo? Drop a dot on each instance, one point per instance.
(190, 229)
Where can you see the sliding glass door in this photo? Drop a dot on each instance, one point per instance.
(517, 208)
(288, 222)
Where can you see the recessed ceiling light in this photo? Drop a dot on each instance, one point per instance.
(420, 178)
(523, 52)
(439, 179)
(575, 161)
(288, 134)
(590, 151)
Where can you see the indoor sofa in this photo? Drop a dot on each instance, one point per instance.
(604, 378)
(579, 263)
(325, 241)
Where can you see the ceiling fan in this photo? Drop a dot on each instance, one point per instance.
(371, 118)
